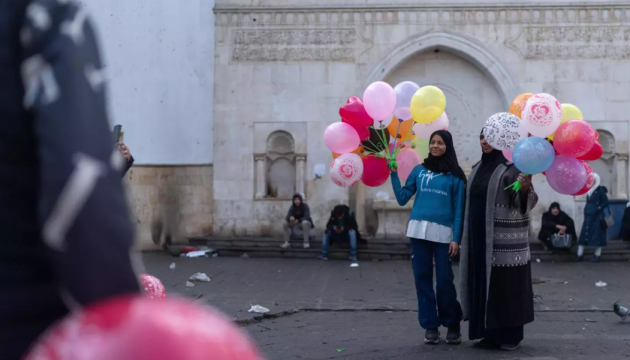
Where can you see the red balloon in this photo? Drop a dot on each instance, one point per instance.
(574, 138)
(596, 152)
(362, 131)
(137, 328)
(590, 180)
(375, 171)
(354, 112)
(152, 287)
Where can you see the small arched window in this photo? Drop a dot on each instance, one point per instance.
(280, 165)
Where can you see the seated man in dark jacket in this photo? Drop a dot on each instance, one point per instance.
(299, 215)
(341, 226)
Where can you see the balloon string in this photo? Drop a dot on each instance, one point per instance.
(397, 151)
(383, 139)
(396, 137)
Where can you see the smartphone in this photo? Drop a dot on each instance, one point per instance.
(117, 134)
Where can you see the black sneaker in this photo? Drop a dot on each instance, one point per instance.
(454, 336)
(487, 344)
(578, 258)
(432, 337)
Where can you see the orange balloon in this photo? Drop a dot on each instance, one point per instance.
(359, 151)
(518, 103)
(403, 131)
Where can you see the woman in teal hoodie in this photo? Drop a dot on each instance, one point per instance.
(435, 230)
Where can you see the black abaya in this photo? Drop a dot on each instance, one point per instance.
(503, 321)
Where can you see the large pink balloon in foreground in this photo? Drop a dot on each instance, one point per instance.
(138, 328)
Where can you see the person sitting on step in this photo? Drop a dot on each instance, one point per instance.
(341, 226)
(299, 215)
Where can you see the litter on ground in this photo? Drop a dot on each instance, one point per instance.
(600, 284)
(173, 266)
(354, 265)
(258, 309)
(199, 277)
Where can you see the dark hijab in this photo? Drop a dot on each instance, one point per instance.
(447, 163)
(489, 163)
(549, 222)
(558, 219)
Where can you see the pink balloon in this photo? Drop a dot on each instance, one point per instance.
(379, 100)
(424, 131)
(543, 115)
(590, 180)
(152, 287)
(508, 155)
(346, 170)
(574, 138)
(341, 138)
(407, 160)
(566, 175)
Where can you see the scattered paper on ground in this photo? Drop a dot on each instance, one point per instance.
(189, 284)
(200, 277)
(198, 253)
(258, 309)
(600, 284)
(172, 266)
(354, 265)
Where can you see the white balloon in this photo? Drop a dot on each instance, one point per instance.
(424, 131)
(404, 92)
(504, 130)
(543, 114)
(346, 170)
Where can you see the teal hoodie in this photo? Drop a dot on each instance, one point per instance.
(440, 198)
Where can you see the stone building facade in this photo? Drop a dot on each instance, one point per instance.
(283, 68)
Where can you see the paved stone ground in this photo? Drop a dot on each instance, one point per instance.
(370, 310)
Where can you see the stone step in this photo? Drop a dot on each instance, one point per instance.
(375, 249)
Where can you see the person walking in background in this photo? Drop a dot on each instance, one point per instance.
(342, 226)
(594, 228)
(299, 215)
(556, 222)
(67, 236)
(496, 280)
(435, 231)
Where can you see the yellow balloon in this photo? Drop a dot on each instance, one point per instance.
(427, 104)
(569, 112)
(421, 146)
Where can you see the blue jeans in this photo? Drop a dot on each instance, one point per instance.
(448, 311)
(353, 242)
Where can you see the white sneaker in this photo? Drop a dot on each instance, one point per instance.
(286, 245)
(307, 246)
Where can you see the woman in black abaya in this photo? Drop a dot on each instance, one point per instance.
(497, 306)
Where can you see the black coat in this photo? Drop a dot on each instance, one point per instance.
(549, 228)
(55, 140)
(625, 225)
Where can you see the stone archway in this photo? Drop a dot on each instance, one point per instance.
(467, 48)
(476, 86)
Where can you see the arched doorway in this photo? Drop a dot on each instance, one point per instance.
(476, 86)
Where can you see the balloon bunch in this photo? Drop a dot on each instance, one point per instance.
(389, 127)
(540, 135)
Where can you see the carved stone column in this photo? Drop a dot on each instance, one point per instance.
(622, 179)
(360, 206)
(300, 174)
(260, 161)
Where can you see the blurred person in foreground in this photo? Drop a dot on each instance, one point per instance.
(67, 237)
